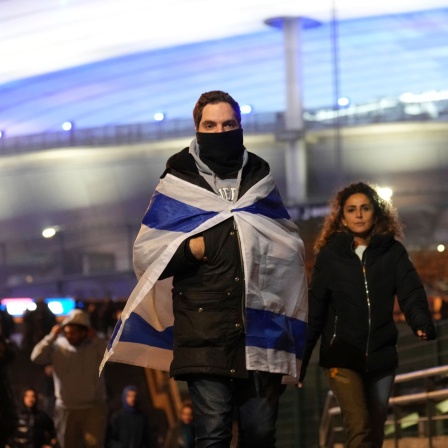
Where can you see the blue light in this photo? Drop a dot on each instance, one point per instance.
(2, 134)
(60, 306)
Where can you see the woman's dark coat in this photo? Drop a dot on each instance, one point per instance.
(351, 304)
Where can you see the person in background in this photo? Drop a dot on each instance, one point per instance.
(130, 428)
(8, 415)
(360, 267)
(75, 353)
(107, 317)
(182, 434)
(35, 428)
(7, 324)
(37, 324)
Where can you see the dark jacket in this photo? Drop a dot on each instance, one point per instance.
(351, 303)
(180, 436)
(208, 294)
(129, 430)
(8, 415)
(129, 427)
(35, 428)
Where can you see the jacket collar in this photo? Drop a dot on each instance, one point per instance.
(343, 242)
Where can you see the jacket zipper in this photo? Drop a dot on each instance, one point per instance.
(243, 301)
(369, 311)
(334, 330)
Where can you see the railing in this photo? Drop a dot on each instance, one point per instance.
(382, 111)
(411, 405)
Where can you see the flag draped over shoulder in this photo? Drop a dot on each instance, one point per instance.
(273, 262)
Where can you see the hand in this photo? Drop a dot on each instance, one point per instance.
(197, 247)
(299, 385)
(421, 335)
(56, 330)
(427, 333)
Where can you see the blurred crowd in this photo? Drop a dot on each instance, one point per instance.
(67, 405)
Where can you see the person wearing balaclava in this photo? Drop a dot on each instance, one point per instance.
(239, 293)
(129, 427)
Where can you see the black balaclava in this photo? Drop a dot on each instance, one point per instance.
(222, 152)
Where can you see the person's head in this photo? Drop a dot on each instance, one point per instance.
(219, 134)
(129, 398)
(358, 209)
(30, 398)
(40, 303)
(75, 334)
(76, 326)
(186, 415)
(216, 111)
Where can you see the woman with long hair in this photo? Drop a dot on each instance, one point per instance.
(35, 428)
(360, 267)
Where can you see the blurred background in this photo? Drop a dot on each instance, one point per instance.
(95, 95)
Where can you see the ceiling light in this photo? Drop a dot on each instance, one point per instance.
(159, 116)
(50, 232)
(385, 193)
(344, 101)
(246, 109)
(67, 125)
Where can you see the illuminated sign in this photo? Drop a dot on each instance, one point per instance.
(60, 306)
(16, 306)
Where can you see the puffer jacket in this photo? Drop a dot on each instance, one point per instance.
(351, 304)
(208, 294)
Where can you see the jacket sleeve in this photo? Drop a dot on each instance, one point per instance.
(42, 352)
(181, 259)
(412, 297)
(317, 310)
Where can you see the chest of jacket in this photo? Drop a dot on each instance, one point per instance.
(359, 331)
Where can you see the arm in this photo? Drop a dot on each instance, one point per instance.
(42, 352)
(189, 253)
(317, 310)
(412, 299)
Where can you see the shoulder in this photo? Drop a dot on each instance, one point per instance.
(43, 417)
(117, 415)
(180, 162)
(387, 244)
(338, 244)
(255, 169)
(256, 163)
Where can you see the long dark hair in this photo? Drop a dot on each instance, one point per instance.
(386, 217)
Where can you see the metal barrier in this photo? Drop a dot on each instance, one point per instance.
(431, 395)
(382, 111)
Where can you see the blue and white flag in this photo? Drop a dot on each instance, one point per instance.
(273, 262)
